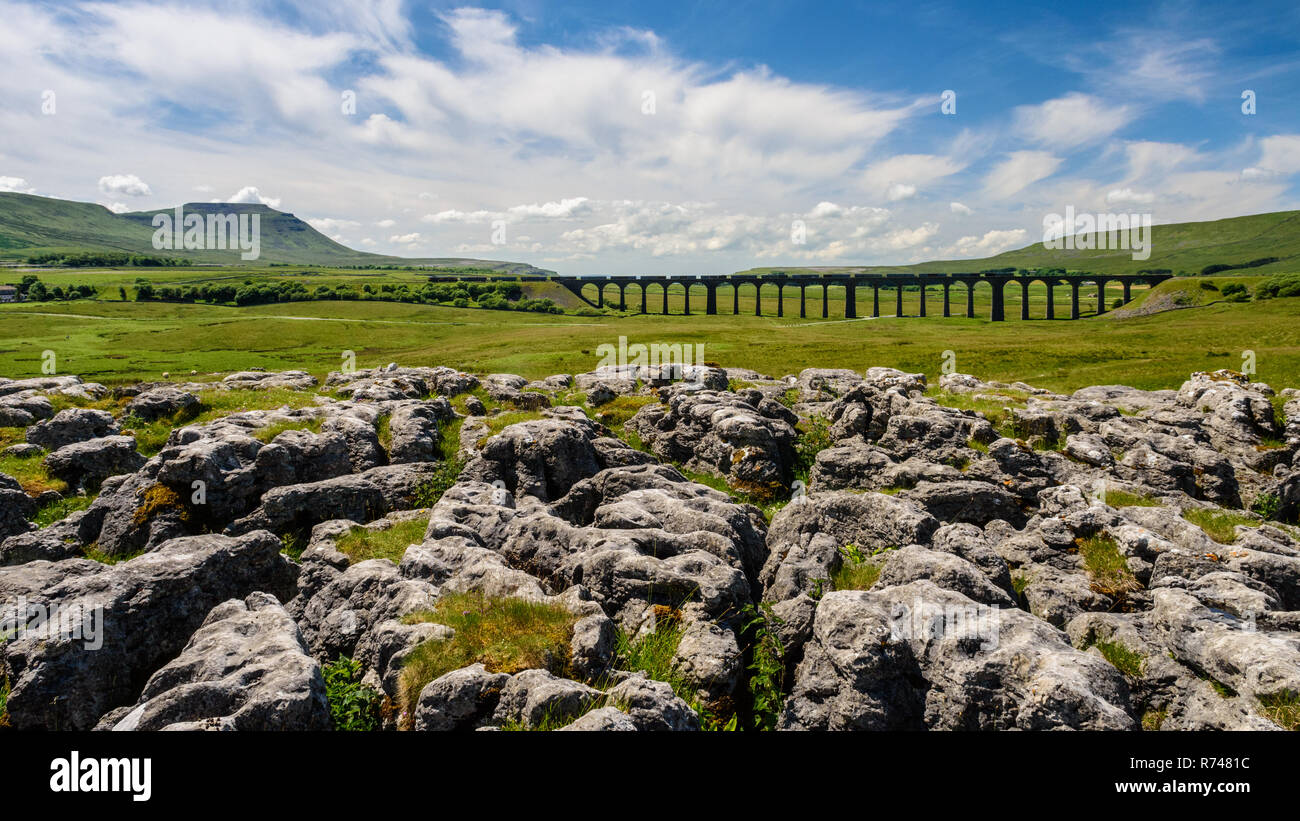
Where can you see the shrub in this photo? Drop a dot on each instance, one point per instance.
(1283, 709)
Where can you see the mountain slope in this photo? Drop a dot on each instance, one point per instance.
(1179, 247)
(30, 225)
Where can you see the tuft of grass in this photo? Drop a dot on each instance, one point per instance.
(1152, 719)
(4, 702)
(361, 544)
(858, 570)
(269, 432)
(458, 401)
(1019, 582)
(1122, 498)
(93, 553)
(1128, 662)
(1219, 525)
(61, 509)
(498, 423)
(354, 707)
(1283, 709)
(1106, 566)
(615, 413)
(1279, 413)
(31, 474)
(384, 430)
(505, 635)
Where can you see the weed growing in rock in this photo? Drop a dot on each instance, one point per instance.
(1127, 661)
(1107, 568)
(1152, 719)
(1283, 709)
(269, 432)
(767, 665)
(354, 707)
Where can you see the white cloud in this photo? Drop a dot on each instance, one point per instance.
(124, 185)
(330, 226)
(386, 223)
(992, 242)
(958, 208)
(116, 207)
(1018, 171)
(1280, 154)
(250, 194)
(16, 185)
(404, 239)
(899, 191)
(1071, 121)
(1128, 195)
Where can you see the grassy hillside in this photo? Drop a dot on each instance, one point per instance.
(31, 225)
(1182, 247)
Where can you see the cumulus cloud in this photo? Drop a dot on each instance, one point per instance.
(899, 191)
(124, 185)
(405, 239)
(16, 185)
(992, 242)
(958, 208)
(386, 223)
(330, 226)
(250, 194)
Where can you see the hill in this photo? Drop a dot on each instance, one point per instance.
(1186, 247)
(32, 225)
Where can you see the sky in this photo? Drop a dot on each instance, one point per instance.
(665, 137)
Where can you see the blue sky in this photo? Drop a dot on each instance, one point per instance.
(685, 137)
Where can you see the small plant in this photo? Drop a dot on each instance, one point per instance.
(814, 437)
(158, 499)
(857, 571)
(354, 707)
(767, 667)
(1153, 719)
(788, 397)
(293, 543)
(1283, 709)
(361, 544)
(1266, 505)
(4, 702)
(1019, 582)
(1127, 661)
(1106, 566)
(1219, 525)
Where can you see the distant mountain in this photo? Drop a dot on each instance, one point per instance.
(31, 225)
(1180, 247)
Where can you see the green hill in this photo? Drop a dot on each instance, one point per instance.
(1187, 247)
(31, 226)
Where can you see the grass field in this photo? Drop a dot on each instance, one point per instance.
(113, 341)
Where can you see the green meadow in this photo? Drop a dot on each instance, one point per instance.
(112, 341)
